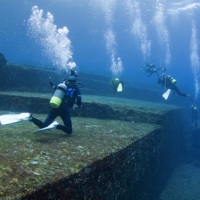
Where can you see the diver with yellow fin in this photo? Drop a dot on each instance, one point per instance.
(117, 85)
(65, 96)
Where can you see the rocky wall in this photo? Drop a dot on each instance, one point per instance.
(137, 172)
(16, 102)
(33, 79)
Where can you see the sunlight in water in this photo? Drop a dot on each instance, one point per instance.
(148, 23)
(55, 42)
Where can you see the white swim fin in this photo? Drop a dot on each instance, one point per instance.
(13, 118)
(51, 126)
(166, 94)
(119, 88)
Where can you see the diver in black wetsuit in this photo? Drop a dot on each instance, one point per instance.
(72, 96)
(151, 69)
(169, 82)
(117, 85)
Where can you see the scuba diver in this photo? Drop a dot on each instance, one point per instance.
(194, 109)
(117, 85)
(65, 96)
(168, 82)
(151, 69)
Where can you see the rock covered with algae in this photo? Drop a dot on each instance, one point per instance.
(100, 157)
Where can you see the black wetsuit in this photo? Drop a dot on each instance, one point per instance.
(166, 82)
(151, 69)
(72, 96)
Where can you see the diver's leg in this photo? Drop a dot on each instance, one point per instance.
(66, 118)
(52, 115)
(178, 92)
(37, 122)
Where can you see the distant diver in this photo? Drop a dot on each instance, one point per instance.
(151, 69)
(169, 83)
(117, 85)
(194, 115)
(66, 95)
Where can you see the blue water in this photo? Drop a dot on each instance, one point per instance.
(106, 36)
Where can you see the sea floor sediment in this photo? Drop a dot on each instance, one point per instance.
(184, 183)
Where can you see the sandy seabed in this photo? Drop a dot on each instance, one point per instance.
(184, 184)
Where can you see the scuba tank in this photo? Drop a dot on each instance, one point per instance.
(58, 95)
(173, 81)
(170, 79)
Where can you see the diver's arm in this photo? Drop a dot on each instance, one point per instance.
(79, 99)
(51, 84)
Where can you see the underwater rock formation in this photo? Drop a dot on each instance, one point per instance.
(35, 79)
(3, 60)
(120, 149)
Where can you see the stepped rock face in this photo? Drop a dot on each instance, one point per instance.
(3, 60)
(27, 78)
(33, 79)
(120, 149)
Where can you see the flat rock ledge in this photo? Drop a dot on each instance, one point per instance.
(118, 150)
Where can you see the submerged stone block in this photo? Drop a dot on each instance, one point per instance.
(122, 154)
